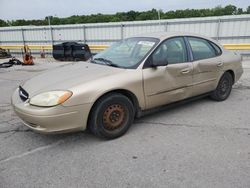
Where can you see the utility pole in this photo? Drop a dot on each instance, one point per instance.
(51, 30)
(159, 16)
(49, 20)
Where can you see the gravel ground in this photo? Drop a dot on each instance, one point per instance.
(199, 144)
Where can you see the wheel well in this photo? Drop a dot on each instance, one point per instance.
(232, 74)
(131, 96)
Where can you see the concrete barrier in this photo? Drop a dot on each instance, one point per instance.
(48, 47)
(102, 47)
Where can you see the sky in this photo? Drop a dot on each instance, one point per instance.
(39, 9)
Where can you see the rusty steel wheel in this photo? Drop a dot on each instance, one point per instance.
(114, 117)
(111, 116)
(224, 88)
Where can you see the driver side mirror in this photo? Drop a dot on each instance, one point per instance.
(157, 62)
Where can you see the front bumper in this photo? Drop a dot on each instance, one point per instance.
(56, 119)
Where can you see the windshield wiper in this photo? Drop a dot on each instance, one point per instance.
(107, 62)
(103, 60)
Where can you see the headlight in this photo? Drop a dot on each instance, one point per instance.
(51, 98)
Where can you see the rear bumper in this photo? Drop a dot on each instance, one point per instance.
(58, 119)
(238, 73)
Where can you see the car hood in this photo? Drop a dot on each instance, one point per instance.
(68, 76)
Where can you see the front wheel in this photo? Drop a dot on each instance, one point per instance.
(224, 88)
(111, 116)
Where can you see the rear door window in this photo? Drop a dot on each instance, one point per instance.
(201, 48)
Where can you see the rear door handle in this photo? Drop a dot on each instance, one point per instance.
(220, 64)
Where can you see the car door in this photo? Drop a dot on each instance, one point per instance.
(171, 82)
(207, 65)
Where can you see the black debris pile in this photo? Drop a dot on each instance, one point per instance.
(4, 54)
(71, 51)
(10, 63)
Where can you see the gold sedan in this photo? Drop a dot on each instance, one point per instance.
(120, 83)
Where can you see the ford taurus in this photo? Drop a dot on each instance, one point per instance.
(136, 74)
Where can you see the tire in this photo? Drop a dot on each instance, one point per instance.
(224, 88)
(111, 116)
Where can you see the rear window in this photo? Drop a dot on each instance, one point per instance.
(217, 48)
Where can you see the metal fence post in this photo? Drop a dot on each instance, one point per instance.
(22, 33)
(51, 34)
(84, 34)
(218, 30)
(166, 27)
(122, 31)
(23, 39)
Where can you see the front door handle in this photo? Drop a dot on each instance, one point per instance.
(185, 71)
(220, 64)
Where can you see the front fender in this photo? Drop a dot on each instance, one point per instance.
(130, 80)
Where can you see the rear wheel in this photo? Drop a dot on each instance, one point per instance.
(224, 88)
(111, 116)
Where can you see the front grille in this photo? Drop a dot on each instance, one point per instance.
(23, 94)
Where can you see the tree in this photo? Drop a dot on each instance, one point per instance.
(3, 23)
(240, 11)
(248, 10)
(218, 11)
(131, 16)
(230, 10)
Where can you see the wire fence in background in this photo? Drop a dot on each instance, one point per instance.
(225, 29)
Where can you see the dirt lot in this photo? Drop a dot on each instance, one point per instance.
(200, 144)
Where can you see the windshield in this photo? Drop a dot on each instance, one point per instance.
(127, 53)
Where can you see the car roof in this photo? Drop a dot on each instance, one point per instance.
(165, 35)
